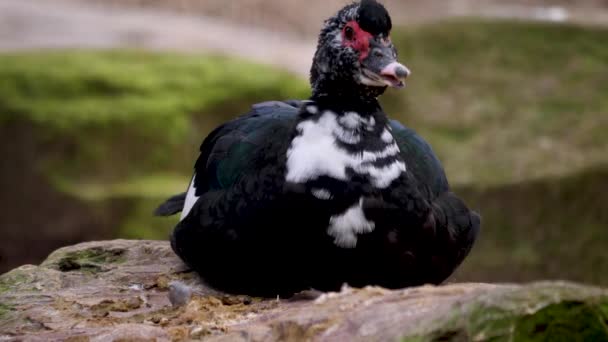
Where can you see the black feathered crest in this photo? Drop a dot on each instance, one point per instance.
(374, 18)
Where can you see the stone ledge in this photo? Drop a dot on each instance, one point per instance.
(109, 290)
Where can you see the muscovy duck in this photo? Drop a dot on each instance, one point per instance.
(308, 194)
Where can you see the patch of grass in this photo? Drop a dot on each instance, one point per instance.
(506, 101)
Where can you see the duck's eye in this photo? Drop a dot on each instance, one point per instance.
(349, 33)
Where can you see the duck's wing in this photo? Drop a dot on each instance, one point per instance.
(455, 227)
(231, 151)
(420, 159)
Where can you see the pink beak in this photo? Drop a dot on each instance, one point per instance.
(394, 74)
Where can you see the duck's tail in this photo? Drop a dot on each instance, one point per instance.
(171, 206)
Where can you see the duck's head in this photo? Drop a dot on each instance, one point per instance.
(355, 55)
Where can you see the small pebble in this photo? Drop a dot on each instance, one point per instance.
(179, 293)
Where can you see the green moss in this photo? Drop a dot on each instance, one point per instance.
(458, 335)
(72, 90)
(11, 280)
(90, 260)
(539, 312)
(84, 106)
(5, 309)
(27, 278)
(604, 309)
(564, 321)
(567, 321)
(491, 323)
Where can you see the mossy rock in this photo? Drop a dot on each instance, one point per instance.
(537, 312)
(29, 278)
(129, 300)
(86, 260)
(5, 310)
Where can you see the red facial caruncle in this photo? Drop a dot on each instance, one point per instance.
(354, 36)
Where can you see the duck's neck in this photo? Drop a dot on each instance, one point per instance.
(346, 95)
(356, 110)
(340, 105)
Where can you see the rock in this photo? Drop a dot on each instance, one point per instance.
(118, 290)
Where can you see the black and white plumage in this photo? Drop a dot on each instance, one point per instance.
(313, 194)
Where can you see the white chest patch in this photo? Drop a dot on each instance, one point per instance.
(314, 152)
(345, 227)
(190, 199)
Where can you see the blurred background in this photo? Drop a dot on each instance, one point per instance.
(104, 103)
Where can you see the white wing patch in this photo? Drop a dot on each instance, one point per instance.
(190, 199)
(314, 153)
(345, 227)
